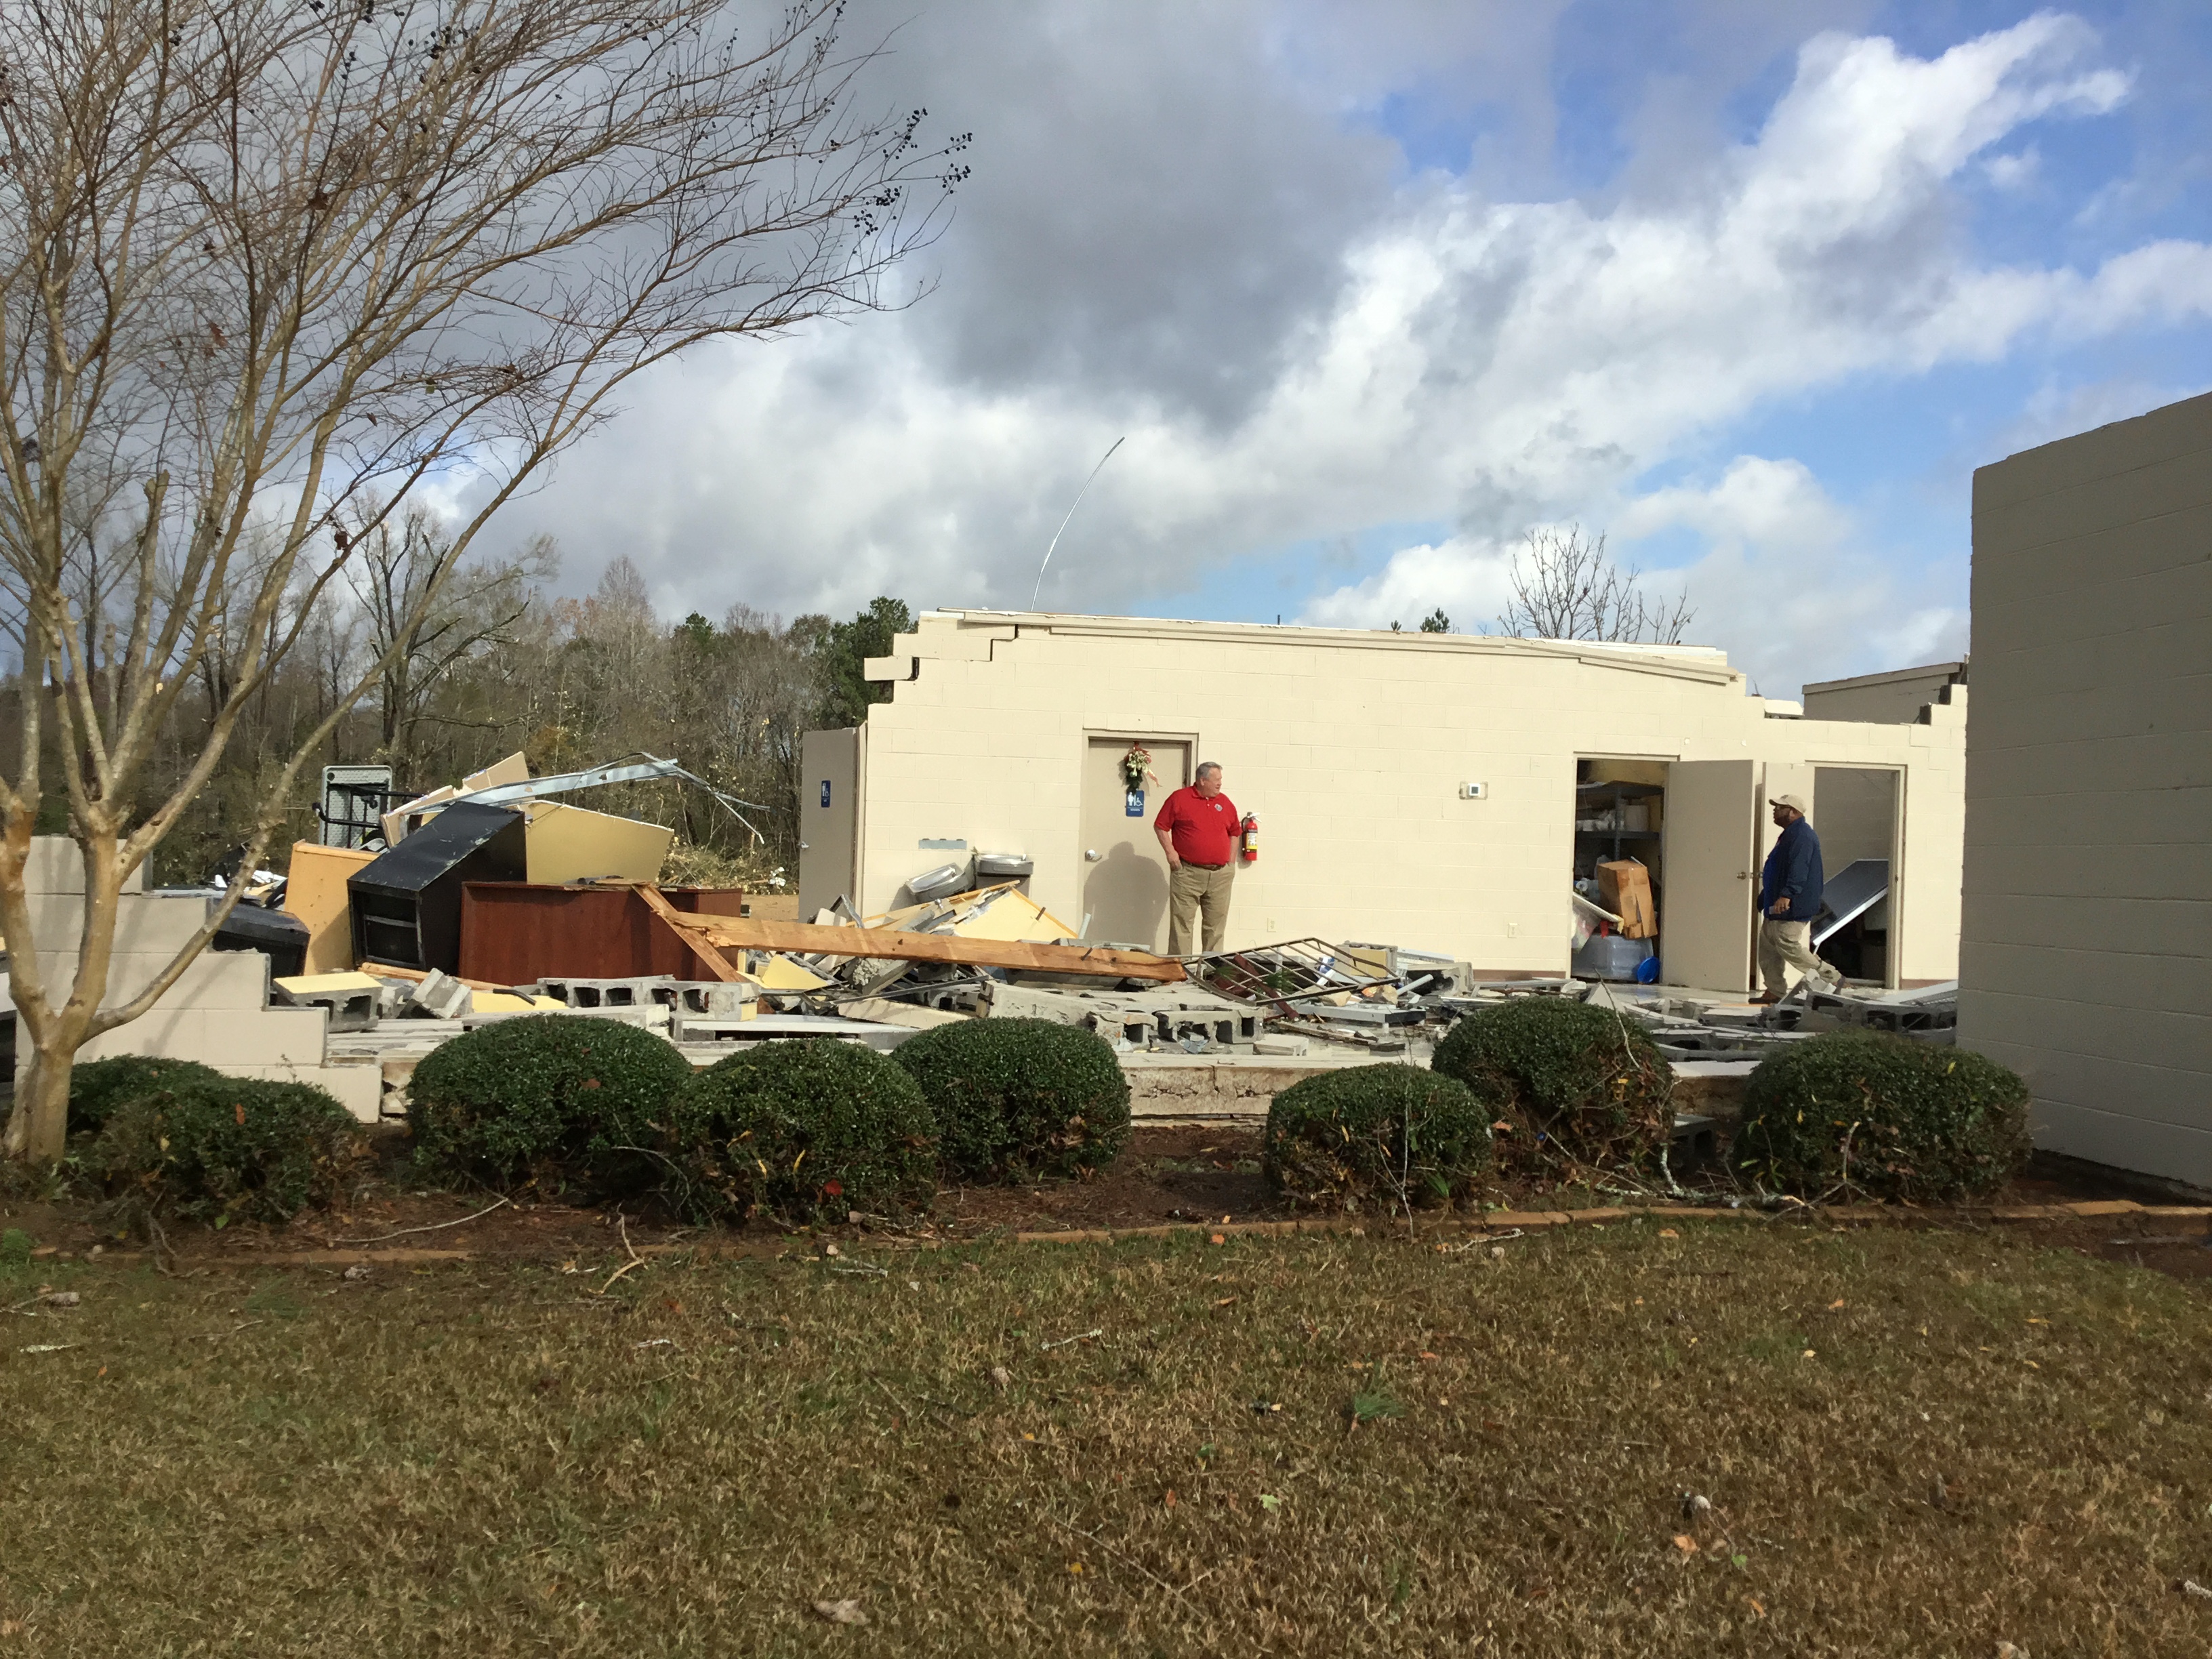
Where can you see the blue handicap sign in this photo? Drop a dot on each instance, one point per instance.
(1134, 806)
(825, 792)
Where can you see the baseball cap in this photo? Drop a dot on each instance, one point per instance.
(1795, 803)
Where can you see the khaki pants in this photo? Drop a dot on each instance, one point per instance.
(1207, 891)
(1784, 944)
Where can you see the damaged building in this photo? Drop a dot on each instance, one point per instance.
(1447, 792)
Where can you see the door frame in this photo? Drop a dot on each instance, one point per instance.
(1091, 734)
(1903, 774)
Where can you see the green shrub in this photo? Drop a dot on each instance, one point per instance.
(1883, 1116)
(1576, 1084)
(97, 1087)
(546, 1098)
(1015, 1098)
(1383, 1136)
(232, 1149)
(802, 1132)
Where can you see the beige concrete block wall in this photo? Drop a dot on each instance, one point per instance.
(2086, 950)
(1890, 699)
(217, 1012)
(1349, 746)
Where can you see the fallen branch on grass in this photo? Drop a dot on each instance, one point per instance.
(435, 1227)
(1125, 1560)
(621, 1226)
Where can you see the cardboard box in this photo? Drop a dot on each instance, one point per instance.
(1624, 888)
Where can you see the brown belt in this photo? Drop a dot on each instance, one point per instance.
(1195, 865)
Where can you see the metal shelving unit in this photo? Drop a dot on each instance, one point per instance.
(1613, 794)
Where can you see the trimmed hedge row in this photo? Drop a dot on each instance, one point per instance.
(811, 1131)
(1883, 1116)
(224, 1148)
(1567, 1084)
(545, 1098)
(1387, 1134)
(799, 1131)
(1015, 1099)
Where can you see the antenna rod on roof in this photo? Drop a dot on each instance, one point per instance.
(1071, 505)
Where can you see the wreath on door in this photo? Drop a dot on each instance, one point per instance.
(1137, 766)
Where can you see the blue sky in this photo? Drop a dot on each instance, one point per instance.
(1373, 291)
(1895, 450)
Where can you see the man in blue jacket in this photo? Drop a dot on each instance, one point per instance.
(1789, 900)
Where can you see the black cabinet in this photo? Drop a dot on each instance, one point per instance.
(407, 903)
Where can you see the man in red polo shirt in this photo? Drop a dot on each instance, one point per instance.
(1198, 828)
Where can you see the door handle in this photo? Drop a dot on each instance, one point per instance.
(1090, 856)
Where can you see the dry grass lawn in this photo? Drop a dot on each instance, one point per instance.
(1912, 1443)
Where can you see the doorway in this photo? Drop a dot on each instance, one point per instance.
(1855, 812)
(1619, 824)
(1125, 876)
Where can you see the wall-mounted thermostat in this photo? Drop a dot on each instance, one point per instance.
(1473, 791)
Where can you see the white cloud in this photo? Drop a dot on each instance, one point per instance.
(2014, 172)
(1487, 365)
(1468, 578)
(1785, 577)
(1787, 580)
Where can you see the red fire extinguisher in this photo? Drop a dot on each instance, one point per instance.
(1251, 828)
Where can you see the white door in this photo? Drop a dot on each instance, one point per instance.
(1712, 876)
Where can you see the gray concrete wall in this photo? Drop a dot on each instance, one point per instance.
(2086, 959)
(1893, 697)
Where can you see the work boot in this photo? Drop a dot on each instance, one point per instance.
(1765, 998)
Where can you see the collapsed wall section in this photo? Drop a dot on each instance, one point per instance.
(217, 1013)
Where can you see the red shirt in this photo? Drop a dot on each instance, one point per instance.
(1204, 831)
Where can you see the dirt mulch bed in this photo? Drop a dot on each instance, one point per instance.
(1168, 1176)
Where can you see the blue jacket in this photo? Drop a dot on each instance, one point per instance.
(1793, 868)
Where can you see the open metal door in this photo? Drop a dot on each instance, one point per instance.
(1712, 874)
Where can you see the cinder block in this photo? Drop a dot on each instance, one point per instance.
(350, 1000)
(584, 995)
(440, 996)
(710, 997)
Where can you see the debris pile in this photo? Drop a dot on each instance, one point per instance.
(490, 900)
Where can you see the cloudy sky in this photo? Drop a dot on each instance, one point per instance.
(1373, 289)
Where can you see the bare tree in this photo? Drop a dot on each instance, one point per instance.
(1566, 586)
(424, 618)
(262, 258)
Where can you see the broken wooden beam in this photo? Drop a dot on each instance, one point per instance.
(707, 953)
(805, 939)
